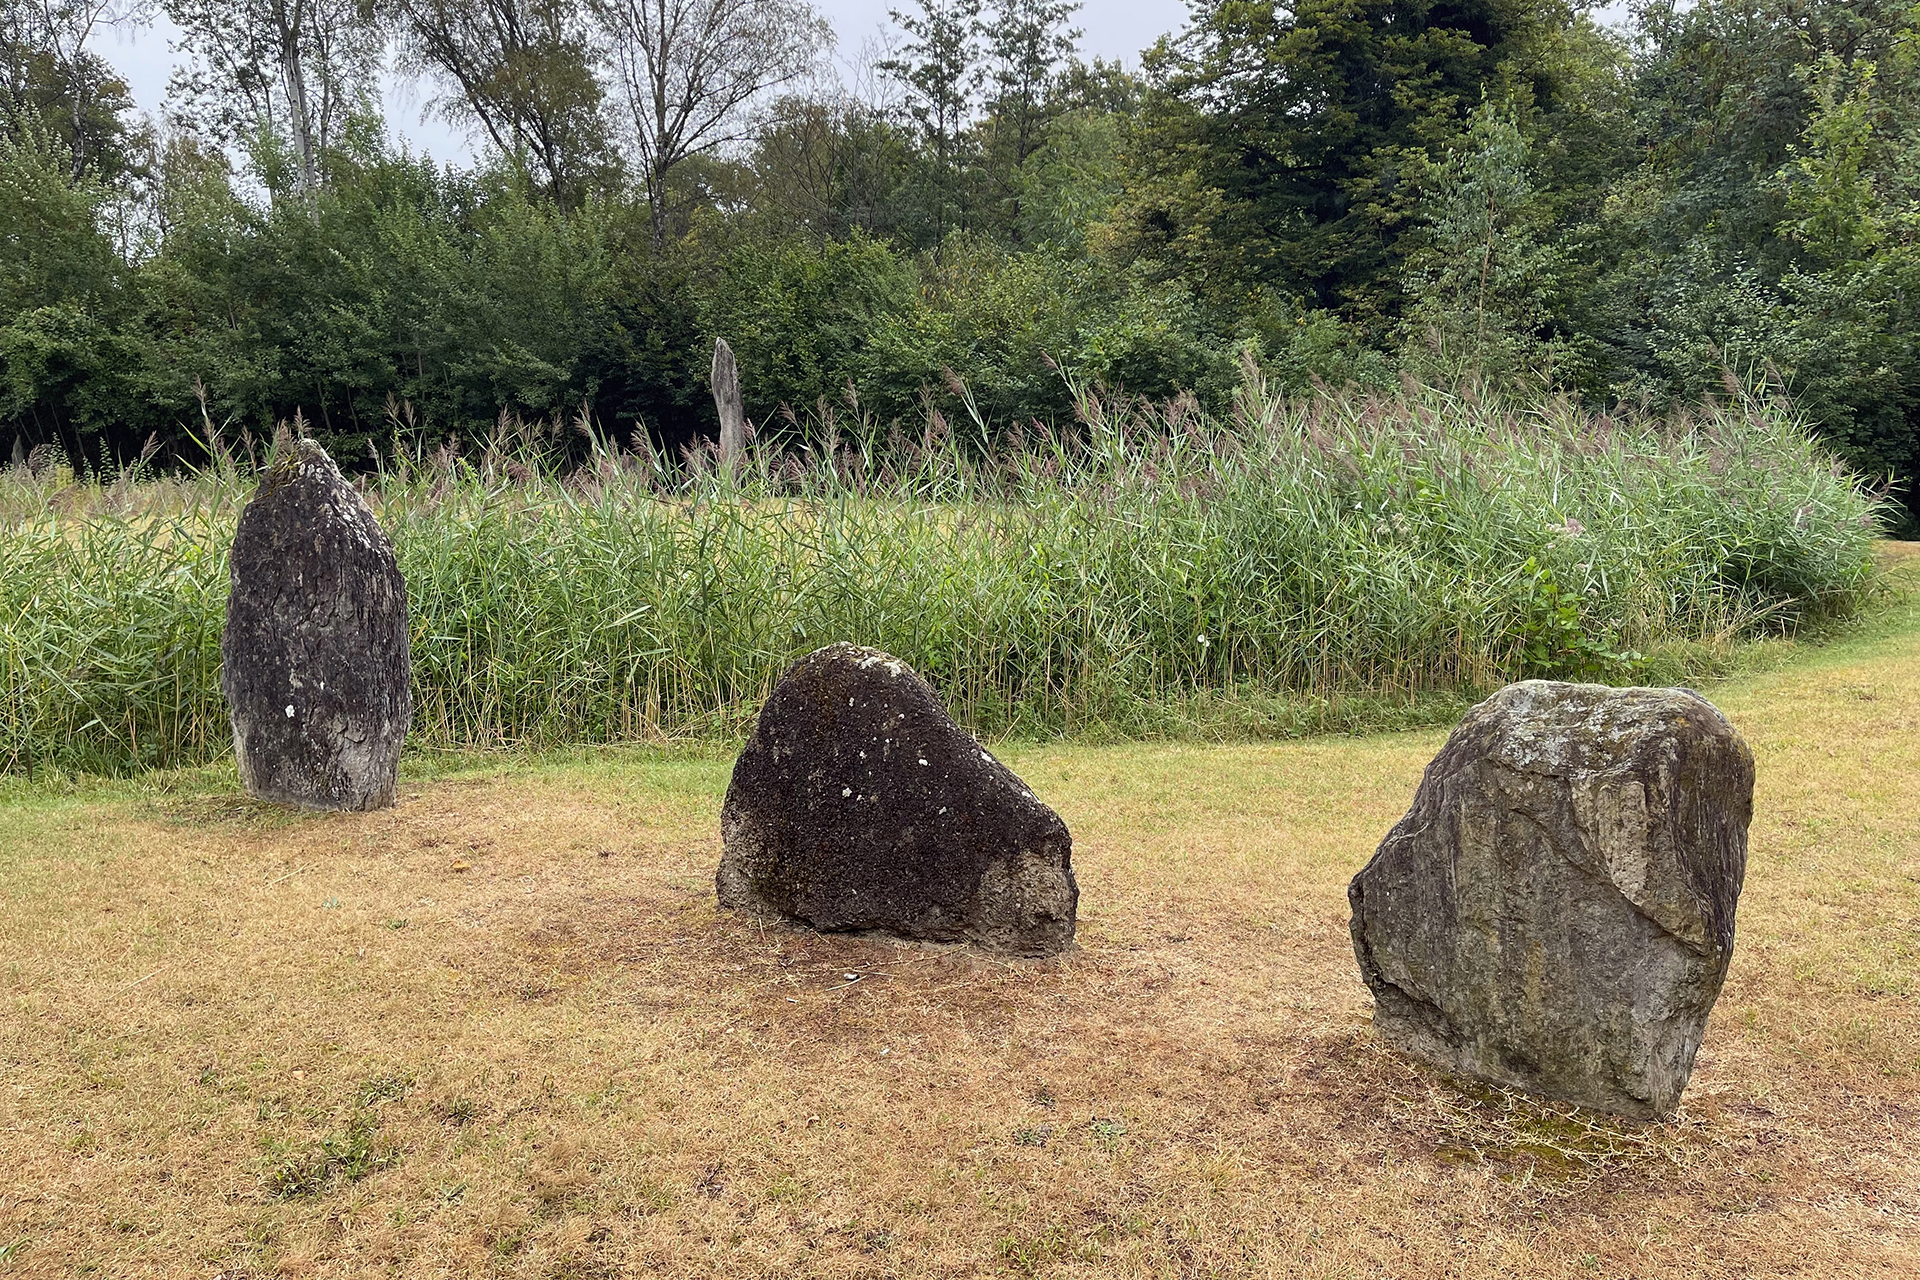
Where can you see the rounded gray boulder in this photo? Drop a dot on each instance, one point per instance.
(858, 804)
(314, 661)
(1556, 911)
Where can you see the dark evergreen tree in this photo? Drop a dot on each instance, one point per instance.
(1290, 141)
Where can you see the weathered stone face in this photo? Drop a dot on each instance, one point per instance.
(858, 804)
(1555, 912)
(315, 661)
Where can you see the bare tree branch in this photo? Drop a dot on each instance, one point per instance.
(689, 69)
(522, 70)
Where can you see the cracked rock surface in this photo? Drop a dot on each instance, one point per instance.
(1555, 913)
(858, 804)
(314, 661)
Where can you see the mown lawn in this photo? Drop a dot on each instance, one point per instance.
(503, 1030)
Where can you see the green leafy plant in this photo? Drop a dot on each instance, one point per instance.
(317, 1167)
(1554, 640)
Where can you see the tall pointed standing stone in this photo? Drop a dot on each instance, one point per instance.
(726, 398)
(315, 656)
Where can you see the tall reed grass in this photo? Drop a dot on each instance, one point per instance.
(1149, 569)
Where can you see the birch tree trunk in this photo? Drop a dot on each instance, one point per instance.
(290, 30)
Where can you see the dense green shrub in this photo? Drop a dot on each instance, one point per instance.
(802, 319)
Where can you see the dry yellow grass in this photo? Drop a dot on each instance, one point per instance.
(502, 1030)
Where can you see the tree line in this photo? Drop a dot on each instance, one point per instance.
(960, 229)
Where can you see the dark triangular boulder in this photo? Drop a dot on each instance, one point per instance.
(315, 655)
(858, 804)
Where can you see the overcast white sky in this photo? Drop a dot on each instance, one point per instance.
(1115, 29)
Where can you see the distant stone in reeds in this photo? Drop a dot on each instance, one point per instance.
(729, 402)
(1556, 911)
(315, 655)
(858, 804)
